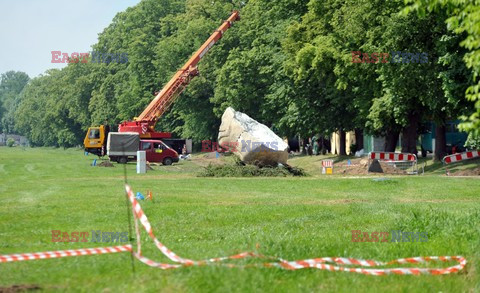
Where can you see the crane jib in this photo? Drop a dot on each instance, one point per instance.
(206, 49)
(148, 118)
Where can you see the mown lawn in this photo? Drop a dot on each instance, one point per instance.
(293, 218)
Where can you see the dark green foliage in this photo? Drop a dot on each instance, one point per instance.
(11, 86)
(239, 170)
(10, 142)
(286, 63)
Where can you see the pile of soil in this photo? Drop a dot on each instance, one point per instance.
(208, 159)
(358, 166)
(20, 288)
(105, 164)
(212, 155)
(391, 169)
(467, 172)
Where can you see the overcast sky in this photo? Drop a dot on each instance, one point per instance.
(31, 29)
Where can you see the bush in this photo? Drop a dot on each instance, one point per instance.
(238, 170)
(10, 142)
(353, 148)
(473, 142)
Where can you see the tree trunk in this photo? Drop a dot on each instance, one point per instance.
(391, 140)
(304, 146)
(440, 141)
(359, 138)
(328, 144)
(343, 143)
(409, 134)
(321, 142)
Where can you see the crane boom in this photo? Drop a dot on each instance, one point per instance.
(145, 122)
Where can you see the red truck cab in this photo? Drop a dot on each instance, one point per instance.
(157, 151)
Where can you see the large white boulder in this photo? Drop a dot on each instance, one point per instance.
(251, 141)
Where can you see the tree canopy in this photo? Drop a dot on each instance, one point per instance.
(301, 67)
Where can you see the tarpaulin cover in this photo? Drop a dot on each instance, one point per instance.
(125, 143)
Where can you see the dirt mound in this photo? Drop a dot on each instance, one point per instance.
(357, 166)
(213, 155)
(467, 172)
(207, 159)
(389, 168)
(19, 288)
(105, 164)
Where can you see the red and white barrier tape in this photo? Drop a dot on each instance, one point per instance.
(318, 263)
(461, 156)
(388, 156)
(64, 253)
(327, 163)
(366, 266)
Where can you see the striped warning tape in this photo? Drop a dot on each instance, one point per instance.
(64, 253)
(318, 263)
(324, 263)
(461, 156)
(389, 156)
(327, 163)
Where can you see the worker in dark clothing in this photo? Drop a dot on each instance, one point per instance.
(106, 128)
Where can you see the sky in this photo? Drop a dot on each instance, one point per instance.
(31, 29)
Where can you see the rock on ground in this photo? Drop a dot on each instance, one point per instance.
(251, 141)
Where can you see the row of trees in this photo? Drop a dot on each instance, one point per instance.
(286, 63)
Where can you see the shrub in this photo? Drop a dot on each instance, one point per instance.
(10, 142)
(239, 170)
(473, 142)
(353, 148)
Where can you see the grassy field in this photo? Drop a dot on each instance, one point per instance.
(293, 218)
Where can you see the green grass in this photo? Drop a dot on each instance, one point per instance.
(293, 218)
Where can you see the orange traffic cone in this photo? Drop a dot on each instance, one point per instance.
(149, 195)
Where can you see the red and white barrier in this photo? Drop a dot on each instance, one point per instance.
(341, 264)
(327, 163)
(316, 263)
(461, 156)
(389, 156)
(64, 253)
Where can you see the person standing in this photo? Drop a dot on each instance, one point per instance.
(315, 145)
(106, 129)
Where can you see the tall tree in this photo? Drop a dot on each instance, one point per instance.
(12, 84)
(463, 19)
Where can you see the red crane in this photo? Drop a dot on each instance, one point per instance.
(145, 123)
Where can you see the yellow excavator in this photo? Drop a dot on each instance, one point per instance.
(95, 140)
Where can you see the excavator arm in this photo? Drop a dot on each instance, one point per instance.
(146, 121)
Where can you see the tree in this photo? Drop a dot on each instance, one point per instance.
(463, 19)
(12, 84)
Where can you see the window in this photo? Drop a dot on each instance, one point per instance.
(146, 146)
(451, 128)
(94, 133)
(158, 146)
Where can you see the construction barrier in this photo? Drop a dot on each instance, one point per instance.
(327, 167)
(388, 156)
(461, 156)
(405, 162)
(341, 264)
(64, 253)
